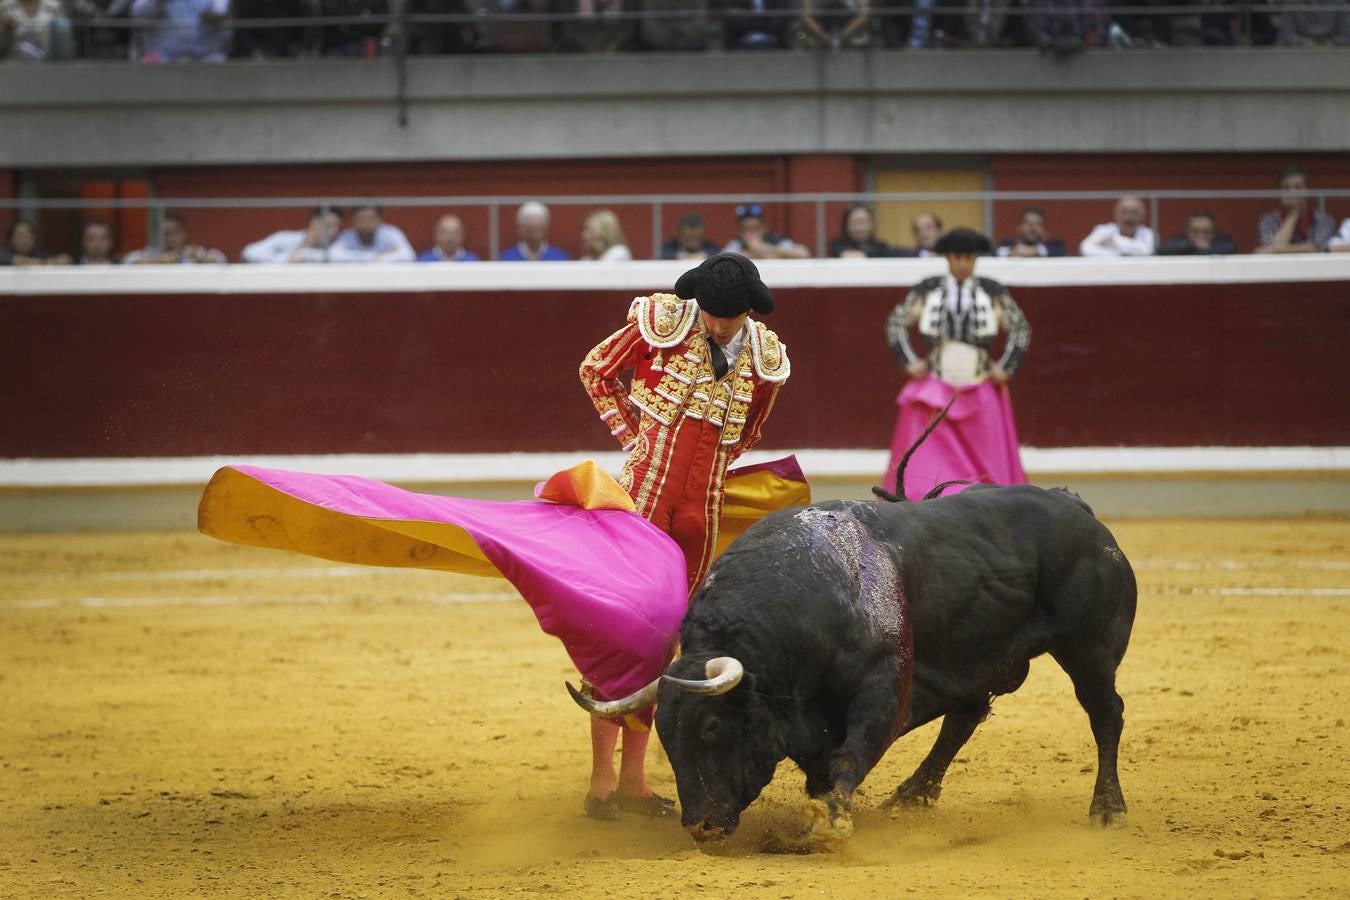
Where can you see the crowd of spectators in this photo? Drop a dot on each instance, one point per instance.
(212, 30)
(1293, 227)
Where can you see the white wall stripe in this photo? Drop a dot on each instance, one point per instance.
(1275, 592)
(526, 468)
(286, 600)
(1272, 562)
(645, 276)
(220, 574)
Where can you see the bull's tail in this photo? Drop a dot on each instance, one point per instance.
(939, 488)
(904, 460)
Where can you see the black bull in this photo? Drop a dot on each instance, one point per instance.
(856, 622)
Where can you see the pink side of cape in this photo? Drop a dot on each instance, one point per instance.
(976, 442)
(607, 583)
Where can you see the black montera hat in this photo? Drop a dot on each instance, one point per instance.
(726, 285)
(962, 240)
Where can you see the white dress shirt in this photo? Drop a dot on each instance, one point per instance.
(732, 350)
(278, 248)
(390, 245)
(1140, 244)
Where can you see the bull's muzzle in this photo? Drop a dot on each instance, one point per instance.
(704, 831)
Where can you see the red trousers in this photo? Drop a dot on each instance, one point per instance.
(675, 475)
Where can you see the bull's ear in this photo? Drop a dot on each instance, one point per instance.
(745, 692)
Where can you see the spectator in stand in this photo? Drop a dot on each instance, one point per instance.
(756, 24)
(448, 243)
(1202, 237)
(858, 236)
(927, 229)
(173, 247)
(532, 236)
(603, 239)
(438, 38)
(531, 33)
(1340, 242)
(690, 240)
(1295, 227)
(371, 240)
(20, 242)
(597, 26)
(354, 38)
(1031, 240)
(914, 30)
(1126, 236)
(838, 24)
(308, 245)
(1065, 27)
(687, 30)
(20, 248)
(985, 21)
(1310, 27)
(35, 30)
(755, 241)
(99, 38)
(179, 30)
(96, 244)
(1144, 29)
(257, 42)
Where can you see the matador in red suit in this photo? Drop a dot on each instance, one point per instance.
(704, 379)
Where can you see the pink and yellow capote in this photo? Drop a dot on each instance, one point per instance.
(602, 579)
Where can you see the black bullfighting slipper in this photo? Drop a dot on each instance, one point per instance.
(656, 806)
(606, 809)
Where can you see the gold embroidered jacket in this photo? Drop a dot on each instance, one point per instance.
(666, 346)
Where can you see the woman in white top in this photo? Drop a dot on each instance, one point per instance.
(602, 238)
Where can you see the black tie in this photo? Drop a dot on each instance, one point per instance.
(719, 359)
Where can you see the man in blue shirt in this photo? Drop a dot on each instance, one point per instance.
(532, 234)
(370, 239)
(448, 243)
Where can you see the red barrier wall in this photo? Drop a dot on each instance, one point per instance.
(149, 375)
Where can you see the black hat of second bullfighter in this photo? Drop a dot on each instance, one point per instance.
(962, 241)
(726, 285)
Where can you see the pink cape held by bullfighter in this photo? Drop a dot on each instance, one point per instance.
(601, 578)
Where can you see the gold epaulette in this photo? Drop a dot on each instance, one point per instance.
(769, 354)
(664, 320)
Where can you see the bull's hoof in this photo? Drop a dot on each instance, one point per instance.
(914, 792)
(828, 828)
(777, 842)
(831, 823)
(1108, 818)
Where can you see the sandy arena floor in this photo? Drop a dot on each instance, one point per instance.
(187, 718)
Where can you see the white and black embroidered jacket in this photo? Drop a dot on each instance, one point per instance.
(973, 312)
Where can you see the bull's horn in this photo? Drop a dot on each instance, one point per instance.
(723, 673)
(611, 709)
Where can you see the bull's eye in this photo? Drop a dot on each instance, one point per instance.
(712, 727)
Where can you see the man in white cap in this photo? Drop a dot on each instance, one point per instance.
(532, 236)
